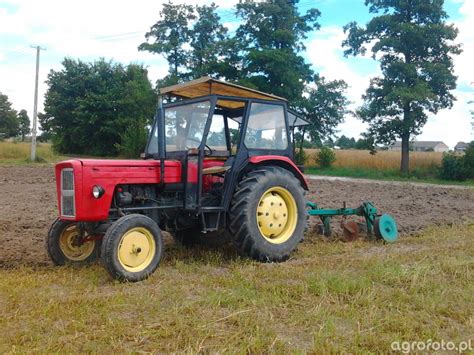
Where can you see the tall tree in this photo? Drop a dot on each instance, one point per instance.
(264, 54)
(168, 37)
(24, 124)
(414, 45)
(9, 124)
(208, 37)
(273, 34)
(324, 105)
(90, 107)
(194, 42)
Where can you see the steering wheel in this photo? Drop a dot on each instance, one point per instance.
(198, 141)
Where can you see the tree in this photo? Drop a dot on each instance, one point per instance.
(24, 124)
(194, 42)
(9, 124)
(324, 107)
(272, 34)
(415, 47)
(365, 144)
(208, 38)
(169, 35)
(91, 108)
(344, 142)
(264, 54)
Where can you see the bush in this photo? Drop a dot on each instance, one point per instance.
(134, 140)
(453, 167)
(301, 158)
(469, 160)
(325, 157)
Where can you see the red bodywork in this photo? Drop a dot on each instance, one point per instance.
(110, 173)
(281, 161)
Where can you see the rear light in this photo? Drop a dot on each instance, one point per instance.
(67, 193)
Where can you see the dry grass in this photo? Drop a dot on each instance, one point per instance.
(331, 297)
(15, 152)
(382, 160)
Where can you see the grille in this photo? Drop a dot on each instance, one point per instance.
(67, 193)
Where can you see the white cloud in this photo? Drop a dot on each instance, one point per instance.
(326, 54)
(86, 29)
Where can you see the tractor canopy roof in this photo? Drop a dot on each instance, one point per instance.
(208, 86)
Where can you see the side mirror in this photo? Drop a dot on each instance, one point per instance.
(143, 155)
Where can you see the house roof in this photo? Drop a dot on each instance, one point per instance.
(421, 144)
(461, 145)
(208, 86)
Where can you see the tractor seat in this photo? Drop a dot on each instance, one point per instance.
(215, 170)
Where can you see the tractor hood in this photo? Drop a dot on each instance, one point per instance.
(121, 162)
(75, 179)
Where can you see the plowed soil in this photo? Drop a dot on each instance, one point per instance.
(28, 207)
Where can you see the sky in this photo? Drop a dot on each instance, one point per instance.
(89, 30)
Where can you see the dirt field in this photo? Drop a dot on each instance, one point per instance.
(28, 207)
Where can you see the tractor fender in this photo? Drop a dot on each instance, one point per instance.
(281, 161)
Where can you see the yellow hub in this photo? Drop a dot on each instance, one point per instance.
(136, 249)
(277, 215)
(71, 245)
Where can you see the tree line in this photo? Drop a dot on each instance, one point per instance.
(12, 123)
(102, 108)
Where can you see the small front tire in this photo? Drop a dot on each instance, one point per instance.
(66, 245)
(132, 248)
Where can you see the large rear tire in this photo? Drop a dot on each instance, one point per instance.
(268, 214)
(66, 245)
(132, 248)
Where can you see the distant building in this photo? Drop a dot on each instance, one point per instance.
(461, 147)
(422, 146)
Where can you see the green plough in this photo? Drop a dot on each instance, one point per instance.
(383, 226)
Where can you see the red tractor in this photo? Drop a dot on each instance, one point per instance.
(201, 180)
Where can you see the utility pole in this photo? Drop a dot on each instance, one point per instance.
(35, 107)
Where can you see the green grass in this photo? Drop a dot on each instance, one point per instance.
(331, 297)
(18, 153)
(416, 175)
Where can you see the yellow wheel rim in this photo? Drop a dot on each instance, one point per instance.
(277, 215)
(72, 246)
(136, 249)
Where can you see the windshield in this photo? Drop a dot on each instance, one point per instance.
(184, 125)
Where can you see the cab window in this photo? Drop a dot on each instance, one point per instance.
(266, 128)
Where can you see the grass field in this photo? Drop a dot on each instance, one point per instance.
(332, 297)
(382, 160)
(19, 152)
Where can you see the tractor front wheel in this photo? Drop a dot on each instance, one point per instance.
(67, 245)
(268, 214)
(132, 248)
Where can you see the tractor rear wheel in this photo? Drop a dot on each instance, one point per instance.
(191, 237)
(268, 214)
(132, 248)
(66, 245)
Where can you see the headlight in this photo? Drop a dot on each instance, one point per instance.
(97, 191)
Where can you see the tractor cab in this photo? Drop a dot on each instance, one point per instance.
(214, 129)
